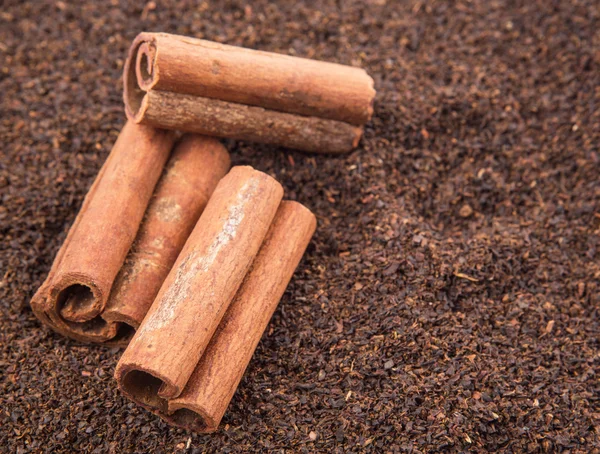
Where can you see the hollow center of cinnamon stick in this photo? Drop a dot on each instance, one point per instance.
(188, 418)
(144, 387)
(125, 333)
(132, 92)
(75, 302)
(144, 63)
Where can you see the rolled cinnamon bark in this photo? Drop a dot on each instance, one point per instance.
(210, 388)
(193, 85)
(180, 64)
(224, 119)
(205, 277)
(78, 285)
(193, 171)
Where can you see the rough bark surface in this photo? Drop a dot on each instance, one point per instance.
(170, 110)
(202, 283)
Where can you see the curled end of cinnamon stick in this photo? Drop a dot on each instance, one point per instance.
(140, 75)
(78, 302)
(127, 325)
(142, 386)
(146, 72)
(96, 329)
(192, 418)
(73, 307)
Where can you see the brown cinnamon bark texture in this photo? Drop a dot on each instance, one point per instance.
(78, 285)
(299, 97)
(210, 388)
(202, 283)
(193, 171)
(225, 119)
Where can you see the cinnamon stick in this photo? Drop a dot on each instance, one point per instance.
(180, 64)
(193, 171)
(77, 288)
(210, 388)
(194, 85)
(224, 119)
(205, 277)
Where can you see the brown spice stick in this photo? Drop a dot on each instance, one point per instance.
(210, 388)
(164, 62)
(168, 345)
(224, 119)
(79, 282)
(193, 171)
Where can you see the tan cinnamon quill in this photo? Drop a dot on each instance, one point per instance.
(78, 285)
(195, 85)
(208, 272)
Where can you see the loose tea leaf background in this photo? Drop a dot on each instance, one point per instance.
(449, 299)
